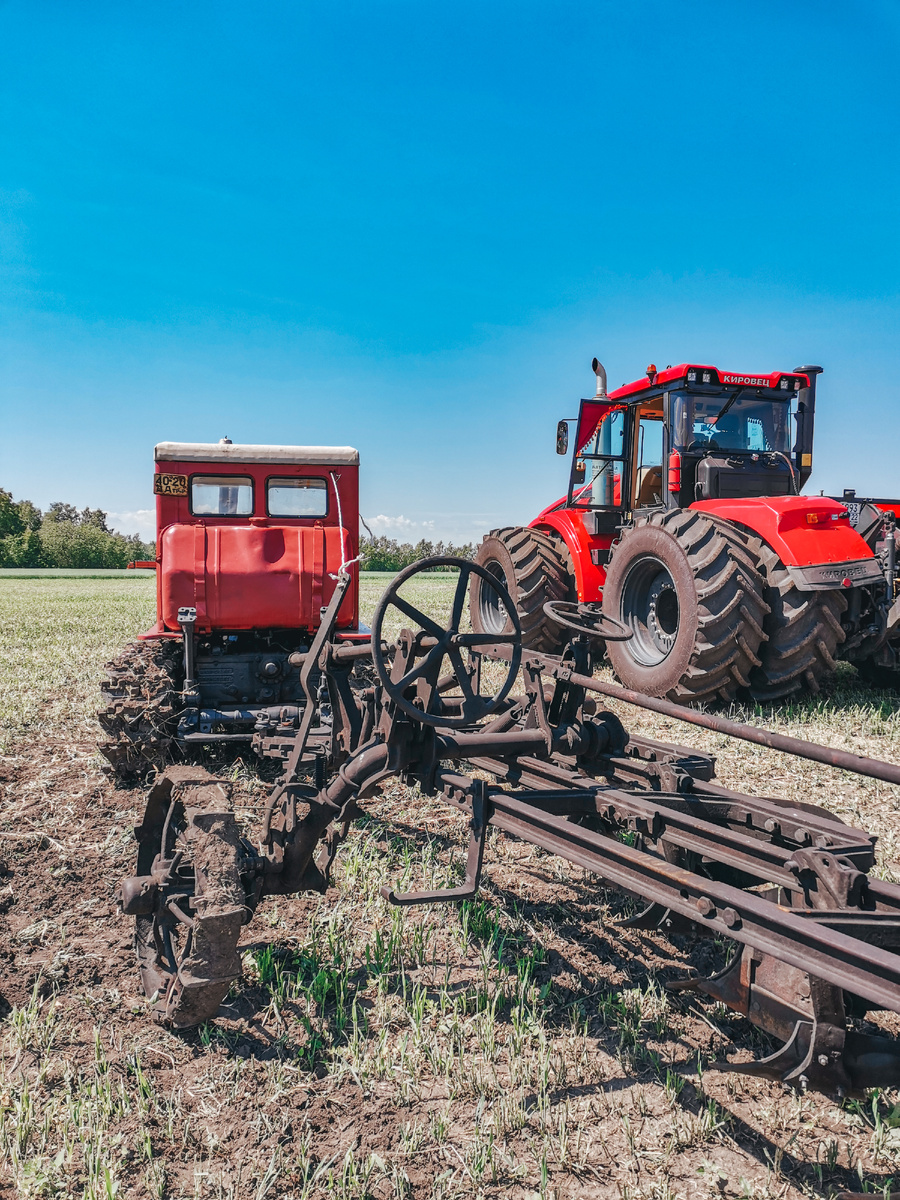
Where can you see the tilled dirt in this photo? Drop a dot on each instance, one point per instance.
(584, 1079)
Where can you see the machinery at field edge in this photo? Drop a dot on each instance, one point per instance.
(816, 936)
(250, 540)
(684, 516)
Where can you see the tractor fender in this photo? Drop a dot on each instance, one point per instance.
(812, 536)
(588, 553)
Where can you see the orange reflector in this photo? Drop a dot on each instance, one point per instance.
(815, 518)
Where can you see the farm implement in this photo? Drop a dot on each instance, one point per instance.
(518, 740)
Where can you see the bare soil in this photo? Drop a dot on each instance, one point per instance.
(620, 1098)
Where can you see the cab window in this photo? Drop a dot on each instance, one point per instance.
(296, 497)
(648, 489)
(598, 467)
(221, 495)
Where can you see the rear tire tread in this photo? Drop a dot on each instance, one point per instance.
(731, 608)
(541, 575)
(803, 630)
(141, 710)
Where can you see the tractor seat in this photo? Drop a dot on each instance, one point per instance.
(649, 486)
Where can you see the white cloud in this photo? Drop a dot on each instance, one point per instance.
(454, 527)
(142, 521)
(400, 524)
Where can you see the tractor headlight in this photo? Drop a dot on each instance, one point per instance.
(707, 376)
(783, 383)
(692, 376)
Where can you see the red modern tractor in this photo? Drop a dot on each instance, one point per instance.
(684, 519)
(251, 541)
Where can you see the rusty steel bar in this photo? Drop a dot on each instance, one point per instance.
(845, 761)
(681, 826)
(461, 745)
(847, 962)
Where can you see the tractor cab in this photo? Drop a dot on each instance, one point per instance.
(251, 537)
(687, 434)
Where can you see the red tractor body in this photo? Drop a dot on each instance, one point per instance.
(808, 532)
(250, 543)
(694, 439)
(267, 564)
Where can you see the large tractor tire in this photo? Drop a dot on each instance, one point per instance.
(534, 569)
(141, 711)
(690, 590)
(803, 630)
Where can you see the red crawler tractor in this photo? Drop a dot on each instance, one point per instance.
(684, 518)
(250, 542)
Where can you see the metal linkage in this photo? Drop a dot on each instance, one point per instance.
(817, 938)
(550, 665)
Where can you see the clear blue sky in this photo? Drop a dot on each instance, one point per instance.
(409, 226)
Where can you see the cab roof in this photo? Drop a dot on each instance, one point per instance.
(655, 379)
(218, 452)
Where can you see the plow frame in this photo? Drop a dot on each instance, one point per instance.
(817, 938)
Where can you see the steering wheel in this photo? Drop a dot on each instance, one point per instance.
(587, 618)
(438, 642)
(699, 445)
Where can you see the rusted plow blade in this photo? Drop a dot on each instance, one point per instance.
(816, 937)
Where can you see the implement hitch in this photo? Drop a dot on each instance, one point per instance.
(514, 740)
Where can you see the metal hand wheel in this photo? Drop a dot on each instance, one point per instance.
(587, 618)
(437, 642)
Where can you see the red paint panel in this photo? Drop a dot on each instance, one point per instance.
(252, 577)
(256, 572)
(589, 578)
(782, 522)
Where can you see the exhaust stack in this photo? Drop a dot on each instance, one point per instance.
(806, 418)
(600, 371)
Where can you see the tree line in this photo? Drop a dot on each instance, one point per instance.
(385, 554)
(63, 536)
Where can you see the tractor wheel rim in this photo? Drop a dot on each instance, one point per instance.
(650, 609)
(491, 609)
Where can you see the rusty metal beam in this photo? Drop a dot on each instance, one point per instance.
(842, 759)
(847, 962)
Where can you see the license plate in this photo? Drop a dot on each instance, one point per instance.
(170, 485)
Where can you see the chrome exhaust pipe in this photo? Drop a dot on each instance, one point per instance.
(600, 371)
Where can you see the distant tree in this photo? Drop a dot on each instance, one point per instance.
(11, 522)
(94, 517)
(385, 554)
(63, 537)
(59, 512)
(22, 550)
(30, 514)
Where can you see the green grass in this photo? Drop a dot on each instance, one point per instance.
(55, 636)
(73, 573)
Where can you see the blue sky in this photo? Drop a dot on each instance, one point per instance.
(409, 227)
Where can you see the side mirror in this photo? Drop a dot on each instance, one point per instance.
(562, 437)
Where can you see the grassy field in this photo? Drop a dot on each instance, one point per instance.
(518, 1046)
